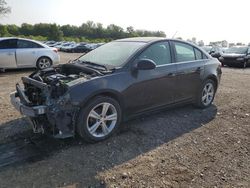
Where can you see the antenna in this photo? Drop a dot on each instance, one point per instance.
(174, 34)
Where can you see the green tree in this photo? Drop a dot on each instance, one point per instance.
(3, 8)
(55, 33)
(69, 30)
(115, 32)
(3, 31)
(41, 29)
(13, 29)
(26, 29)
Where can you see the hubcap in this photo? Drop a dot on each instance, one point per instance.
(102, 119)
(44, 63)
(207, 94)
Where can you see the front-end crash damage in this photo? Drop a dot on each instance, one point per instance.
(46, 100)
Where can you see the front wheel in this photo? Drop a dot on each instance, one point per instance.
(99, 119)
(206, 94)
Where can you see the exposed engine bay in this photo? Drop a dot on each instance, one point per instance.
(49, 88)
(57, 79)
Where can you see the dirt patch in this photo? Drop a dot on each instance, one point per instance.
(182, 147)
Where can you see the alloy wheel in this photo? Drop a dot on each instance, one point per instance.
(208, 94)
(102, 119)
(44, 63)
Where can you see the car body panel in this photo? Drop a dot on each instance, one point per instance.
(8, 58)
(135, 90)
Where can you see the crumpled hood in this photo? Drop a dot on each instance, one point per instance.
(233, 55)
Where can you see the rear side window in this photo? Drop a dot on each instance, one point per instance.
(27, 44)
(158, 52)
(8, 44)
(198, 54)
(184, 52)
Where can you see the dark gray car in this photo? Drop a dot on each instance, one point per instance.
(117, 81)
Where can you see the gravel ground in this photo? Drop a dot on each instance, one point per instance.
(181, 147)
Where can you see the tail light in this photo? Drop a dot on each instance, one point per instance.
(55, 50)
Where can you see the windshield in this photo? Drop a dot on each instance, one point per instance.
(113, 53)
(237, 50)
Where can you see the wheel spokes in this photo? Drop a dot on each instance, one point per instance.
(94, 115)
(105, 108)
(94, 127)
(104, 128)
(111, 117)
(204, 97)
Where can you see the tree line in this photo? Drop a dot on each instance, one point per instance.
(88, 31)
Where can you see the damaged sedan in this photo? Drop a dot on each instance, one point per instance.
(92, 95)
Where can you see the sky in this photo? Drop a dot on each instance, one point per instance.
(207, 20)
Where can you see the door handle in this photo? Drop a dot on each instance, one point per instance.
(10, 53)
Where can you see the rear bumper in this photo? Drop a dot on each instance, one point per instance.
(34, 111)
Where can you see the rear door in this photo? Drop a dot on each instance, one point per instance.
(190, 67)
(27, 53)
(8, 53)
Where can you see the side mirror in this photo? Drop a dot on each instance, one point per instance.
(145, 64)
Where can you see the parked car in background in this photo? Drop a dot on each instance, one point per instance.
(50, 43)
(80, 48)
(25, 53)
(238, 56)
(117, 81)
(214, 51)
(63, 45)
(68, 48)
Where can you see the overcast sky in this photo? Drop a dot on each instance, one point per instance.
(209, 20)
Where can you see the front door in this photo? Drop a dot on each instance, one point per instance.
(152, 88)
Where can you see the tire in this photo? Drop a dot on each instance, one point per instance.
(43, 62)
(206, 94)
(92, 124)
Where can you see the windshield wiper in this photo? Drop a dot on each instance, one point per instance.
(94, 65)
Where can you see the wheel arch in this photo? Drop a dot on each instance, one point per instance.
(44, 56)
(107, 93)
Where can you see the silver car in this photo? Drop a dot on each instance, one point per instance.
(25, 53)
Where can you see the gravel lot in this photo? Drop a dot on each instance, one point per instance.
(181, 147)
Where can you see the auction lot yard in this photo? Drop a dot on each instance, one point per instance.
(181, 147)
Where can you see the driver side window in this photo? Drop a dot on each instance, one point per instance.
(158, 52)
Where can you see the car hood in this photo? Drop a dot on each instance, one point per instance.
(233, 55)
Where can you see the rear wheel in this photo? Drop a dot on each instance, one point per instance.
(99, 119)
(206, 94)
(244, 65)
(43, 62)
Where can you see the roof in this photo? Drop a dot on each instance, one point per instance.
(140, 39)
(6, 38)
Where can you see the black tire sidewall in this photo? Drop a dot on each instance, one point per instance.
(81, 125)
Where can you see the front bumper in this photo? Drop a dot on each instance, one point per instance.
(31, 111)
